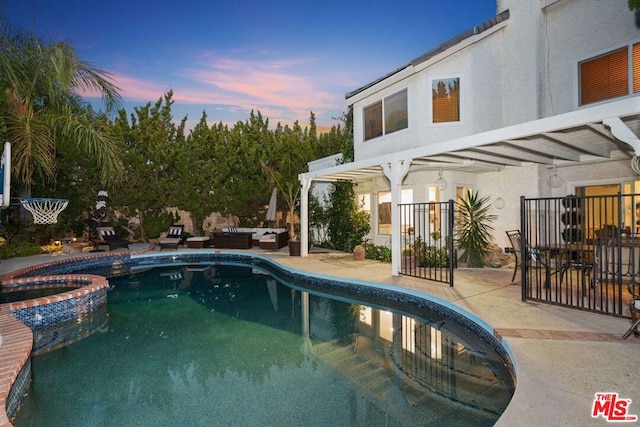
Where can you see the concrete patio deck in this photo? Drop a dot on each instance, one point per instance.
(563, 357)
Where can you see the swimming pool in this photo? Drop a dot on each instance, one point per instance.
(201, 339)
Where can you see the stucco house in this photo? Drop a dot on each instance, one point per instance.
(542, 100)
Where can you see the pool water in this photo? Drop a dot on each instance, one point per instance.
(232, 345)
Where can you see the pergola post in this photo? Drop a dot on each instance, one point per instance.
(304, 215)
(395, 171)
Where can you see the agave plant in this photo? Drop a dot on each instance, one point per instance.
(474, 229)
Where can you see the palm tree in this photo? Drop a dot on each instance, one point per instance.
(42, 108)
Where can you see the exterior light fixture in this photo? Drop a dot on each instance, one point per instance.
(554, 179)
(499, 203)
(441, 182)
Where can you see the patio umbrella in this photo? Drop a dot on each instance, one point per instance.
(100, 211)
(271, 210)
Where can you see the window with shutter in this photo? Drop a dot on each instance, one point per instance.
(609, 76)
(636, 67)
(445, 94)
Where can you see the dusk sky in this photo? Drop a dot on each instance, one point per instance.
(283, 58)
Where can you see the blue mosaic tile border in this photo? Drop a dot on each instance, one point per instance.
(60, 311)
(19, 389)
(74, 265)
(52, 337)
(45, 283)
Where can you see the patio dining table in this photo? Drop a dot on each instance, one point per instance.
(564, 256)
(605, 263)
(617, 259)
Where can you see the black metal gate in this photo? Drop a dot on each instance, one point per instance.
(427, 240)
(581, 252)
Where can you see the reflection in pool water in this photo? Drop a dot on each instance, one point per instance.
(233, 345)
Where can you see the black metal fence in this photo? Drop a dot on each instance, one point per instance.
(581, 251)
(427, 240)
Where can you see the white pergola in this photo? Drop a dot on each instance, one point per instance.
(600, 133)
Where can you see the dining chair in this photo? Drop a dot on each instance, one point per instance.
(534, 254)
(634, 308)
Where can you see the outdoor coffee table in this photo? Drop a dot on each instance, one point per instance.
(198, 242)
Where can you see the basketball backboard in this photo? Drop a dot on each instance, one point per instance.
(5, 176)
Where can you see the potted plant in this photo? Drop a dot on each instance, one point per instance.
(474, 229)
(358, 253)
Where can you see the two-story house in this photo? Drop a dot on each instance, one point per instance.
(542, 100)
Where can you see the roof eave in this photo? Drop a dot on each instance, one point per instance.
(503, 16)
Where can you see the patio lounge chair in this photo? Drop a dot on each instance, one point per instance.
(107, 236)
(174, 237)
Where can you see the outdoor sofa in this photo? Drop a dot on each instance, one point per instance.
(265, 238)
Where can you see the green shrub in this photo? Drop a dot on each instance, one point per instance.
(379, 253)
(20, 249)
(430, 255)
(156, 224)
(347, 224)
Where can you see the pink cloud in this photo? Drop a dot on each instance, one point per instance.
(282, 90)
(264, 83)
(132, 88)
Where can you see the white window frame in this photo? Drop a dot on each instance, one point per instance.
(576, 68)
(383, 107)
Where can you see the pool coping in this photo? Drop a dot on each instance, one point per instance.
(16, 341)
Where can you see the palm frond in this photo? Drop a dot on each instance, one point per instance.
(71, 128)
(474, 229)
(42, 82)
(33, 148)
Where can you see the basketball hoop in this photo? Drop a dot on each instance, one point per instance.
(44, 211)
